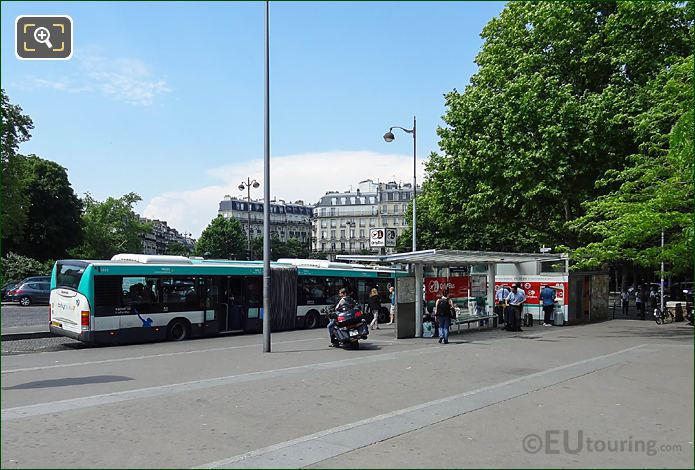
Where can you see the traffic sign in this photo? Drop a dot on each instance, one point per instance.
(391, 235)
(377, 237)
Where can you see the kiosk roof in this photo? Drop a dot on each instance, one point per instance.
(454, 257)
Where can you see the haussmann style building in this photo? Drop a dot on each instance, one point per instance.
(342, 221)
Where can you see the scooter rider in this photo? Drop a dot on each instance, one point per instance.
(344, 302)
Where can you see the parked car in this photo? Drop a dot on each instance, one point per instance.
(37, 279)
(33, 292)
(7, 287)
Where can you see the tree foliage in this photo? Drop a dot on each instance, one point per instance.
(15, 130)
(551, 109)
(654, 192)
(223, 238)
(110, 227)
(53, 211)
(177, 248)
(16, 267)
(292, 248)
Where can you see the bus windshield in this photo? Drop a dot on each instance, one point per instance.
(69, 274)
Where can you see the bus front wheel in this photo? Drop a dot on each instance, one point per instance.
(178, 330)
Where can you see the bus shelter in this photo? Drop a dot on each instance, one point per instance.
(499, 268)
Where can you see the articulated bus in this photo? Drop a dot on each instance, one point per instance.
(137, 298)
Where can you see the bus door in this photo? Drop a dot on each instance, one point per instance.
(229, 308)
(253, 296)
(236, 310)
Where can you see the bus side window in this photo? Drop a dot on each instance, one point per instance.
(363, 288)
(140, 293)
(310, 291)
(333, 286)
(107, 295)
(179, 293)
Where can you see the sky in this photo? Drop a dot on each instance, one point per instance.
(166, 99)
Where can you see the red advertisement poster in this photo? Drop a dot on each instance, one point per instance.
(458, 287)
(533, 290)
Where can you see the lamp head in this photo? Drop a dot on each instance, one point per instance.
(389, 137)
(255, 184)
(241, 187)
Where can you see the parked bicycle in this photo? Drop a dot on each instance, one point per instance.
(663, 317)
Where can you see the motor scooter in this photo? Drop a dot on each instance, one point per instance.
(350, 325)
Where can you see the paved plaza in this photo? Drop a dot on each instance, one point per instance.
(611, 394)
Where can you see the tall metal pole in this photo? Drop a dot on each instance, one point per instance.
(414, 183)
(248, 201)
(266, 188)
(662, 271)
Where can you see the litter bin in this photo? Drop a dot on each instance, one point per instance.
(558, 316)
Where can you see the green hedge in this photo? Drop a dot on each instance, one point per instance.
(16, 267)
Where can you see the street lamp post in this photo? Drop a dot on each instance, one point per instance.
(389, 137)
(248, 184)
(266, 186)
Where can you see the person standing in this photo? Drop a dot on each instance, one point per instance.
(548, 302)
(500, 307)
(638, 303)
(652, 299)
(515, 299)
(444, 309)
(392, 296)
(624, 302)
(374, 304)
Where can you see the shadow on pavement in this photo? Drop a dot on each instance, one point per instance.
(363, 347)
(678, 332)
(94, 379)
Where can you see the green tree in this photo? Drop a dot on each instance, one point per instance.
(15, 130)
(297, 249)
(550, 110)
(654, 192)
(223, 238)
(53, 223)
(110, 227)
(16, 267)
(293, 248)
(176, 248)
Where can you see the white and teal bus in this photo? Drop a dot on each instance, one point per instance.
(134, 298)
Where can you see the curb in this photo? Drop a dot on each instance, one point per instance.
(28, 335)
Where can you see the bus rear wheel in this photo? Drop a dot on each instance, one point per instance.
(311, 320)
(178, 330)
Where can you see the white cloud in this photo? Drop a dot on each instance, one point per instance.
(124, 79)
(303, 176)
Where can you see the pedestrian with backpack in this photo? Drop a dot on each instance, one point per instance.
(444, 310)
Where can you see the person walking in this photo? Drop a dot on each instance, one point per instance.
(392, 296)
(374, 303)
(548, 302)
(515, 299)
(624, 302)
(444, 309)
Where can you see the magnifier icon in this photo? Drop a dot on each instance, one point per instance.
(43, 35)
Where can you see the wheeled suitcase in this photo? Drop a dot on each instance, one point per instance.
(528, 320)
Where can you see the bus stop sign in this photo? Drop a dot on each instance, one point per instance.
(379, 237)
